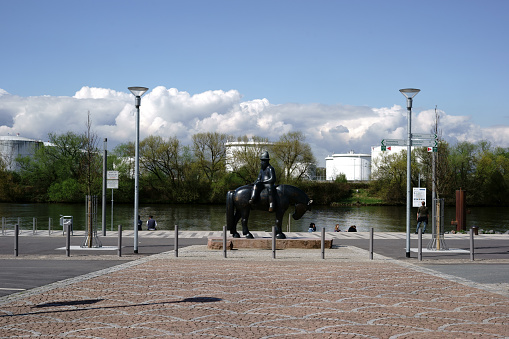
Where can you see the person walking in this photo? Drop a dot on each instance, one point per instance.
(422, 217)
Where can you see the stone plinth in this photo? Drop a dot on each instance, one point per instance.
(266, 243)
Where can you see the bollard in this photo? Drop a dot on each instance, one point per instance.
(419, 245)
(371, 233)
(68, 242)
(323, 243)
(471, 244)
(176, 246)
(16, 243)
(224, 241)
(119, 240)
(273, 242)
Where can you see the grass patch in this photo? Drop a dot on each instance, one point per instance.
(360, 197)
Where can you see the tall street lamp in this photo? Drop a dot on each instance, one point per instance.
(137, 92)
(409, 93)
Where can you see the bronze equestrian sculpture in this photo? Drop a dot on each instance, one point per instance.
(241, 201)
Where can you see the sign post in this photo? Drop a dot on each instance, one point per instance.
(112, 182)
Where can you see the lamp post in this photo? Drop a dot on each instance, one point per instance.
(409, 93)
(137, 92)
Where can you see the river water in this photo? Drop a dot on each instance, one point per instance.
(212, 217)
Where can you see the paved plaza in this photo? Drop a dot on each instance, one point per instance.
(250, 294)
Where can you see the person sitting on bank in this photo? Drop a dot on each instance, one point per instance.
(336, 229)
(312, 227)
(151, 223)
(352, 229)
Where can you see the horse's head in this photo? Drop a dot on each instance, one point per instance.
(301, 208)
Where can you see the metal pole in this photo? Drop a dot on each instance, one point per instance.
(224, 241)
(16, 243)
(371, 233)
(408, 174)
(49, 226)
(419, 245)
(112, 209)
(34, 225)
(105, 166)
(119, 240)
(471, 244)
(19, 224)
(176, 246)
(323, 243)
(68, 241)
(137, 173)
(3, 225)
(273, 242)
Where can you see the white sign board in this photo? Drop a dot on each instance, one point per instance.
(112, 175)
(113, 184)
(419, 196)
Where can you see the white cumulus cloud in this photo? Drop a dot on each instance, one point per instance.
(172, 113)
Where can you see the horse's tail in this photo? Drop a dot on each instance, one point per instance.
(230, 210)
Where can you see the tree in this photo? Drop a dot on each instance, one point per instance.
(59, 161)
(91, 162)
(210, 154)
(246, 157)
(295, 156)
(389, 180)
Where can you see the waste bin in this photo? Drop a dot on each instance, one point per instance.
(66, 220)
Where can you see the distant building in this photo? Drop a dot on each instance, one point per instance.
(235, 147)
(11, 147)
(355, 167)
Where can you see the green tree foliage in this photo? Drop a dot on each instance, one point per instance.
(389, 180)
(294, 156)
(246, 164)
(65, 165)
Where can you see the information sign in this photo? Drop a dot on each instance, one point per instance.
(419, 196)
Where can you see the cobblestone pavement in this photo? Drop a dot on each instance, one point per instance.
(249, 294)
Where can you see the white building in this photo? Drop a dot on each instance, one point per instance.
(355, 167)
(238, 147)
(13, 146)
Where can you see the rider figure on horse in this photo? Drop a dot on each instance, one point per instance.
(266, 179)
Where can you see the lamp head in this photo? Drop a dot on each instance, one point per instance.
(409, 93)
(138, 91)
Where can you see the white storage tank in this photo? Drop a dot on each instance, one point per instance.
(13, 146)
(355, 167)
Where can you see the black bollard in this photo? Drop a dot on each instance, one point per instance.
(371, 240)
(471, 244)
(119, 240)
(176, 241)
(323, 243)
(419, 245)
(224, 241)
(68, 241)
(16, 243)
(273, 242)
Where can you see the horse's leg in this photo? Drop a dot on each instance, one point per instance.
(280, 212)
(233, 231)
(245, 217)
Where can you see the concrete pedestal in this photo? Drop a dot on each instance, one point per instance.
(266, 243)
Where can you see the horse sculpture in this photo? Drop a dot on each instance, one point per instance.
(238, 207)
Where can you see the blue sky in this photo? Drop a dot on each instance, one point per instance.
(340, 57)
